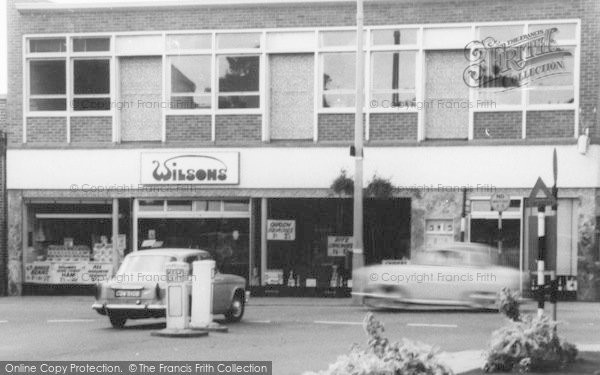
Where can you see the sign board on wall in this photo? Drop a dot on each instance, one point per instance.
(197, 168)
(339, 246)
(281, 230)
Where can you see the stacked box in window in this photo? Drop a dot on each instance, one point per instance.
(103, 253)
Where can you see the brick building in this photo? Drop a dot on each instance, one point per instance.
(223, 126)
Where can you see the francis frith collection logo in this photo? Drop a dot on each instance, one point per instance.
(190, 168)
(516, 62)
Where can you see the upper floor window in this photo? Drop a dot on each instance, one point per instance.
(47, 85)
(526, 64)
(190, 81)
(68, 79)
(239, 81)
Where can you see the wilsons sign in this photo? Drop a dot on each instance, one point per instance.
(201, 168)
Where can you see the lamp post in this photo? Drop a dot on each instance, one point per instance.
(357, 246)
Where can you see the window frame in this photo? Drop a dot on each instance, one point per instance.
(312, 47)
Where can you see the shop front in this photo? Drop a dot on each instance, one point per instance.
(69, 243)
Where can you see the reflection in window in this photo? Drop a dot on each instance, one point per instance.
(47, 86)
(394, 37)
(239, 81)
(393, 78)
(238, 40)
(151, 205)
(564, 31)
(190, 82)
(339, 78)
(91, 44)
(189, 41)
(338, 38)
(502, 33)
(236, 206)
(47, 45)
(91, 85)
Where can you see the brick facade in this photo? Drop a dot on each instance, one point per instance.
(46, 130)
(305, 15)
(393, 127)
(238, 128)
(91, 129)
(498, 125)
(189, 128)
(550, 124)
(336, 127)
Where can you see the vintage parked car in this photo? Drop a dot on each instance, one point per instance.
(457, 274)
(138, 289)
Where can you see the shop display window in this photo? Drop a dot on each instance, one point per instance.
(70, 244)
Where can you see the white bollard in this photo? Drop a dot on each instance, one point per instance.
(178, 291)
(202, 293)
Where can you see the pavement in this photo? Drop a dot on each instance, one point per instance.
(297, 334)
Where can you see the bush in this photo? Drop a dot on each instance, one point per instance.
(508, 304)
(343, 184)
(384, 358)
(529, 344)
(380, 187)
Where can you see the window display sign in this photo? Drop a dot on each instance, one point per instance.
(339, 246)
(80, 273)
(281, 230)
(206, 168)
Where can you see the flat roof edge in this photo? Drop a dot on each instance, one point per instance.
(25, 6)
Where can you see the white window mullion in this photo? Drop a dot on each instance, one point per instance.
(316, 88)
(163, 111)
(214, 90)
(70, 89)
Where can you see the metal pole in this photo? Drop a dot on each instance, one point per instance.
(357, 253)
(541, 256)
(499, 232)
(463, 216)
(4, 281)
(554, 285)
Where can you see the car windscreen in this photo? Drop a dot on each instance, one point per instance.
(154, 264)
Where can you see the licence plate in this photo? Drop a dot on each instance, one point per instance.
(128, 293)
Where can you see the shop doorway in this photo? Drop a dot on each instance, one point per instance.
(226, 239)
(311, 260)
(221, 227)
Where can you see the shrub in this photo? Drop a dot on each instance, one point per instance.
(384, 358)
(508, 304)
(380, 187)
(343, 184)
(529, 344)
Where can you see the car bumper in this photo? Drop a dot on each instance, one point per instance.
(104, 308)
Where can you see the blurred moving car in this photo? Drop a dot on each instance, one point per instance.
(457, 274)
(138, 289)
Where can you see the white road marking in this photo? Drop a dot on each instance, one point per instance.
(432, 325)
(258, 321)
(3, 321)
(70, 320)
(338, 323)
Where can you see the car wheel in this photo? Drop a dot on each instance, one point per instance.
(117, 321)
(391, 298)
(236, 310)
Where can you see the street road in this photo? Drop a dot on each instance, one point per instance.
(296, 334)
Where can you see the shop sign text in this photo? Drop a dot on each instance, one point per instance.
(339, 246)
(281, 230)
(214, 168)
